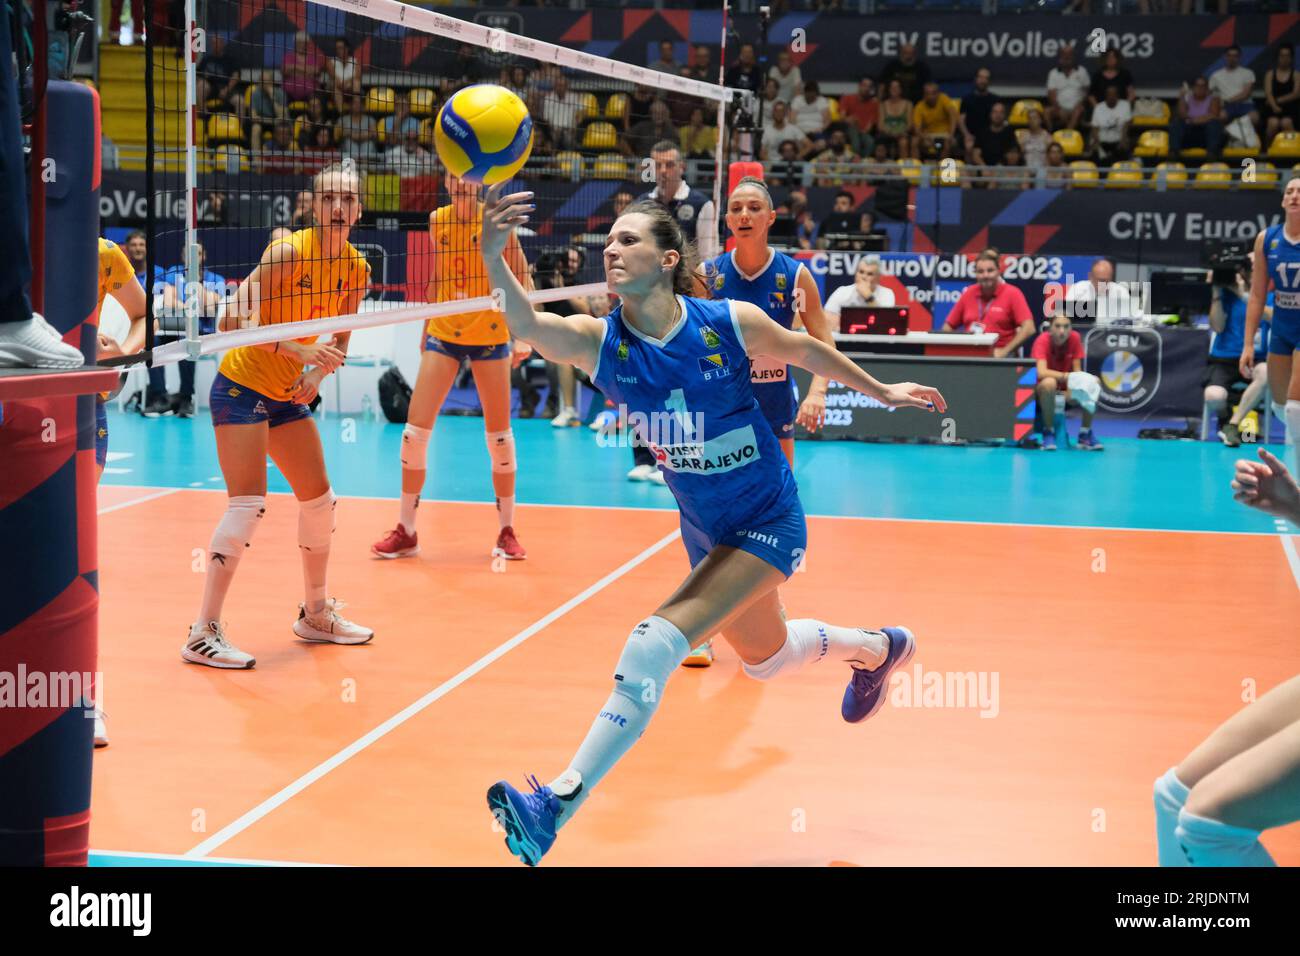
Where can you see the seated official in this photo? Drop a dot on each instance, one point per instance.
(1222, 372)
(1059, 354)
(865, 290)
(992, 305)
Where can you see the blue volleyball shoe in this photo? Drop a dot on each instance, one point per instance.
(528, 818)
(866, 691)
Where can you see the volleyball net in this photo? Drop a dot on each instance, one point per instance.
(261, 96)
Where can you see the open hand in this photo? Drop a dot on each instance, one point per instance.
(812, 412)
(500, 216)
(917, 396)
(1268, 486)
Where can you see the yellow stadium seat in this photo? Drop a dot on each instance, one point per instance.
(1071, 141)
(953, 179)
(910, 169)
(1124, 175)
(1148, 121)
(609, 166)
(588, 108)
(569, 164)
(1083, 174)
(298, 124)
(1194, 152)
(616, 107)
(1213, 176)
(423, 101)
(380, 100)
(601, 136)
(231, 159)
(298, 107)
(1286, 145)
(224, 128)
(383, 192)
(1175, 175)
(1020, 111)
(426, 133)
(834, 109)
(1152, 144)
(1264, 176)
(248, 98)
(1239, 152)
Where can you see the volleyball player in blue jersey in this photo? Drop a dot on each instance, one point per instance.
(680, 364)
(1277, 261)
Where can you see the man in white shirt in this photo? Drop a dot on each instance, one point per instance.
(865, 290)
(777, 130)
(1099, 298)
(1234, 84)
(1067, 92)
(560, 113)
(1110, 122)
(789, 80)
(811, 112)
(409, 158)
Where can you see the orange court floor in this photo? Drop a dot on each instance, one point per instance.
(1059, 671)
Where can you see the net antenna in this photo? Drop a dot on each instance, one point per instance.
(382, 25)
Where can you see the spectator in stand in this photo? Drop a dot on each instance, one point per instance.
(842, 221)
(220, 75)
(1197, 122)
(397, 124)
(174, 295)
(409, 158)
(894, 131)
(1067, 91)
(701, 67)
(805, 228)
(137, 251)
(667, 62)
(811, 112)
(318, 155)
(1228, 320)
(913, 74)
(464, 69)
(861, 111)
(1108, 140)
(992, 145)
(789, 78)
(1281, 95)
(837, 162)
(280, 155)
(358, 133)
(1234, 85)
(639, 105)
(771, 96)
(863, 292)
(746, 74)
(266, 107)
(934, 122)
(643, 136)
(1112, 72)
(1011, 173)
(1059, 355)
(344, 73)
(778, 130)
(302, 211)
(786, 169)
(560, 109)
(1057, 172)
(976, 108)
(698, 139)
(992, 305)
(301, 69)
(515, 79)
(1035, 140)
(316, 117)
(1099, 298)
(212, 209)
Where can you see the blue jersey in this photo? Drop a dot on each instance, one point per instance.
(689, 398)
(773, 291)
(1283, 259)
(1228, 343)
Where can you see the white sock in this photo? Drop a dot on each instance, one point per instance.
(230, 538)
(808, 641)
(1208, 842)
(1293, 428)
(1170, 795)
(506, 511)
(406, 517)
(652, 653)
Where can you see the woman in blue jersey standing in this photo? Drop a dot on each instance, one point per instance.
(667, 356)
(1277, 263)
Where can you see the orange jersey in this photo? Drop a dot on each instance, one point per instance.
(317, 288)
(459, 273)
(114, 270)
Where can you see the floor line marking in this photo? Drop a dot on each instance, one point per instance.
(233, 829)
(135, 501)
(135, 855)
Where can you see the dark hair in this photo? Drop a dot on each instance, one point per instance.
(846, 194)
(133, 233)
(1234, 47)
(347, 44)
(1289, 47)
(667, 234)
(666, 145)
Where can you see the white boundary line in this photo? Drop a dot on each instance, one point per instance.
(133, 855)
(1288, 548)
(162, 493)
(232, 830)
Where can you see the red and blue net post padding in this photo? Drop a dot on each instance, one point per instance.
(49, 592)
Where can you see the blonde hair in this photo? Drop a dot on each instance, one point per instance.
(344, 168)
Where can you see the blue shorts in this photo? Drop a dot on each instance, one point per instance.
(779, 403)
(101, 433)
(475, 353)
(782, 542)
(1283, 336)
(235, 404)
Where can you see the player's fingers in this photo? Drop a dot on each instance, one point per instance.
(1268, 458)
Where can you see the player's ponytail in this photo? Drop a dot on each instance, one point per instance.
(668, 234)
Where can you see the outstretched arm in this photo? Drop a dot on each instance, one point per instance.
(568, 340)
(765, 337)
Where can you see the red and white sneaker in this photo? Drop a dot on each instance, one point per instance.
(398, 543)
(508, 546)
(329, 627)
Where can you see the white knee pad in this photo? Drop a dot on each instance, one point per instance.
(415, 446)
(1293, 421)
(501, 446)
(234, 531)
(316, 522)
(654, 649)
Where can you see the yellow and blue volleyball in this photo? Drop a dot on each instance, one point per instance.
(483, 134)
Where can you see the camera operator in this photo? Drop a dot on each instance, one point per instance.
(1228, 320)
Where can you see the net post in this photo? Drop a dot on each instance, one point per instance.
(192, 276)
(720, 148)
(150, 149)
